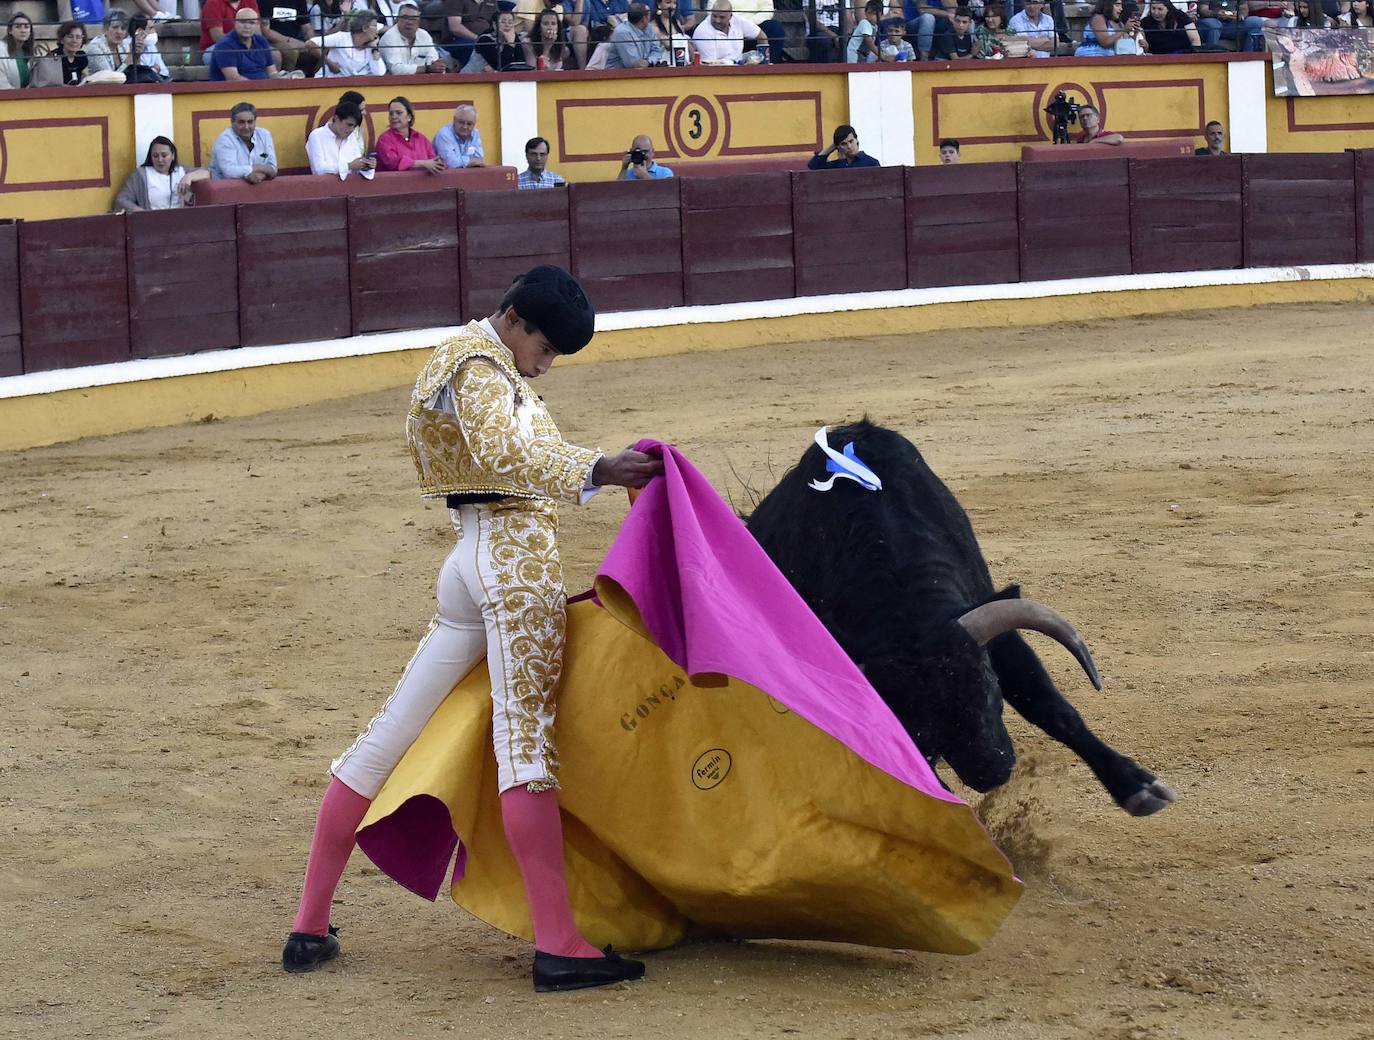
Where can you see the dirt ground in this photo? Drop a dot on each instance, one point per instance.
(194, 620)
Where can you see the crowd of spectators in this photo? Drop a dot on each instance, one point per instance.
(325, 38)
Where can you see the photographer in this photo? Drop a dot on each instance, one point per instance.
(638, 163)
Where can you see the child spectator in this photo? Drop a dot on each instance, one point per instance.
(957, 41)
(895, 45)
(949, 152)
(863, 46)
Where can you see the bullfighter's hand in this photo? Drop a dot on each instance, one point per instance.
(629, 468)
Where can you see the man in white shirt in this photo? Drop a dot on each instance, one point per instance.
(1035, 25)
(721, 37)
(408, 49)
(333, 148)
(352, 51)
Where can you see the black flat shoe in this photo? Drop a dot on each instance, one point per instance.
(552, 974)
(305, 952)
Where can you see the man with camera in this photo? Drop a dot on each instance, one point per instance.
(638, 163)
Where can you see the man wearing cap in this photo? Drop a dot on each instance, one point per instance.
(482, 440)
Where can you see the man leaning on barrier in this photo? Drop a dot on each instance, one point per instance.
(243, 150)
(846, 143)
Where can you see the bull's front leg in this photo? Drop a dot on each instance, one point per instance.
(1028, 688)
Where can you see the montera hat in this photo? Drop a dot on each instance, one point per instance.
(553, 301)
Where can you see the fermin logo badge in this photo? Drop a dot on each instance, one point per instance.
(710, 768)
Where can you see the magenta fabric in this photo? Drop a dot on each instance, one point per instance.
(395, 153)
(715, 604)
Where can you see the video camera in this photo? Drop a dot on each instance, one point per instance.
(1062, 111)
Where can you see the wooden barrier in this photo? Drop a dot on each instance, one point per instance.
(1364, 205)
(293, 271)
(183, 280)
(1158, 148)
(321, 186)
(962, 225)
(11, 353)
(627, 243)
(403, 261)
(504, 234)
(737, 238)
(1186, 214)
(74, 292)
(1075, 221)
(849, 227)
(1299, 209)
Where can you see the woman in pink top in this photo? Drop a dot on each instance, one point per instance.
(403, 147)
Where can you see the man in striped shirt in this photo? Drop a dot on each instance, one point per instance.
(537, 155)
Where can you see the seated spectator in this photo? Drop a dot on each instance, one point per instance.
(160, 183)
(863, 41)
(572, 19)
(994, 40)
(401, 146)
(18, 52)
(148, 66)
(1215, 135)
(217, 19)
(243, 151)
(353, 52)
(1221, 20)
(111, 51)
(551, 53)
(1036, 28)
(66, 66)
(674, 31)
(949, 152)
(634, 45)
(1090, 119)
(1265, 15)
(244, 53)
(1358, 17)
(846, 143)
(501, 49)
(1106, 34)
(1168, 30)
(1308, 15)
(464, 21)
(286, 29)
(604, 15)
(328, 16)
(537, 174)
(926, 20)
(719, 38)
(459, 144)
(333, 148)
(895, 46)
(406, 48)
(956, 41)
(638, 163)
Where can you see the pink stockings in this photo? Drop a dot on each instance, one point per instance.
(533, 830)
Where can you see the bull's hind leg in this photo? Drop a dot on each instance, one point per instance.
(1028, 688)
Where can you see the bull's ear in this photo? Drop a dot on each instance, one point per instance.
(1010, 592)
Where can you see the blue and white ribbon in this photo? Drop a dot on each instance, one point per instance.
(846, 465)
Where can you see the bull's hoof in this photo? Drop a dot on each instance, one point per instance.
(1150, 799)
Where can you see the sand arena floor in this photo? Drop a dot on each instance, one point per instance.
(194, 620)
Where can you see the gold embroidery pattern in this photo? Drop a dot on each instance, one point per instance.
(502, 440)
(531, 621)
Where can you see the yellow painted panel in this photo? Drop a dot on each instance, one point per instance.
(290, 112)
(1318, 124)
(718, 115)
(994, 110)
(64, 157)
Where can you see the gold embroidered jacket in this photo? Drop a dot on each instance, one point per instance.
(475, 426)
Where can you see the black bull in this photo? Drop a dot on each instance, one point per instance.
(897, 576)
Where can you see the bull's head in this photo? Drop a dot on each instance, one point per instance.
(953, 694)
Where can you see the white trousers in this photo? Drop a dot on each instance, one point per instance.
(500, 596)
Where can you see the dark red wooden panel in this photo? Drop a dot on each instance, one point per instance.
(961, 224)
(74, 292)
(404, 255)
(1364, 205)
(737, 238)
(504, 234)
(627, 243)
(849, 227)
(1299, 209)
(183, 280)
(11, 355)
(293, 271)
(1186, 214)
(1075, 219)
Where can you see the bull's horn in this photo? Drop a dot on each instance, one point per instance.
(986, 623)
